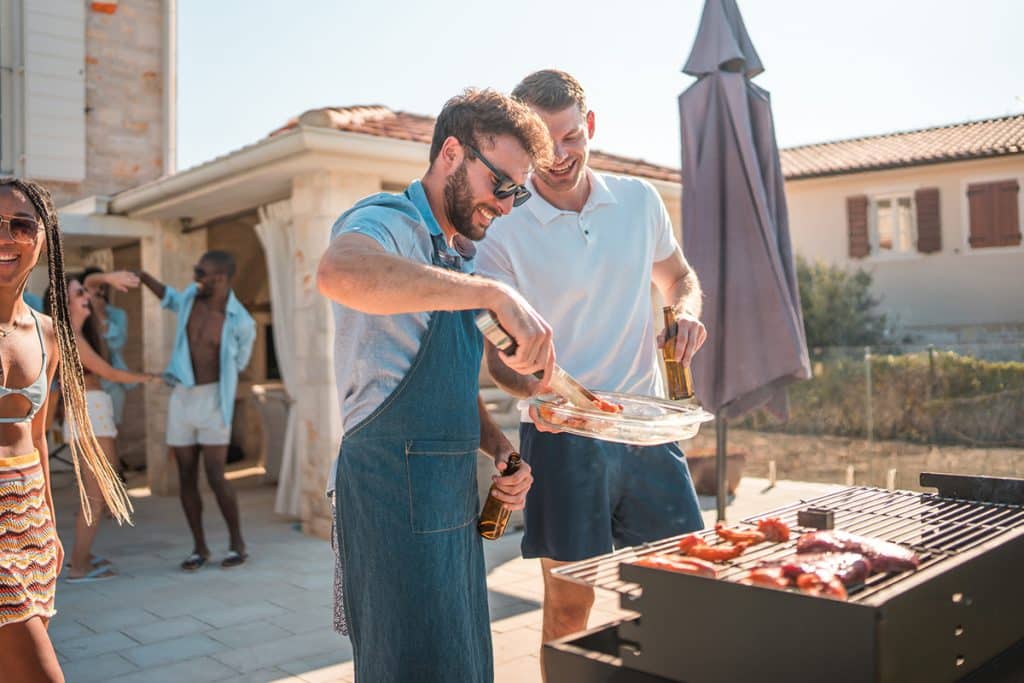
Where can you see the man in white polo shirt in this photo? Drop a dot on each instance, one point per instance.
(585, 252)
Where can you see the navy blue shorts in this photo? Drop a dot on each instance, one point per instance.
(590, 497)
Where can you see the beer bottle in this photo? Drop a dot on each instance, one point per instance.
(680, 382)
(494, 516)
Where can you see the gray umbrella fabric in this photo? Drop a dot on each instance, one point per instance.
(736, 230)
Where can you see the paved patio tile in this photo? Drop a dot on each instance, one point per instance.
(524, 669)
(286, 650)
(264, 676)
(324, 668)
(170, 651)
(95, 669)
(171, 606)
(199, 670)
(90, 646)
(64, 627)
(239, 614)
(165, 629)
(514, 644)
(305, 621)
(117, 619)
(245, 635)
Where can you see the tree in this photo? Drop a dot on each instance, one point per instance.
(838, 307)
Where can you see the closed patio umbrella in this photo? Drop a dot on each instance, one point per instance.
(736, 231)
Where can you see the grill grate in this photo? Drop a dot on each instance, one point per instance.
(936, 528)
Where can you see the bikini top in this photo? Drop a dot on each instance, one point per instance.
(34, 393)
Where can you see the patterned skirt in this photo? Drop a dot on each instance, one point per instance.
(28, 542)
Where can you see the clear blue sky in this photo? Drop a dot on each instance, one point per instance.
(835, 68)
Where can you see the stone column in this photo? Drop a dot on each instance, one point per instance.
(169, 258)
(317, 200)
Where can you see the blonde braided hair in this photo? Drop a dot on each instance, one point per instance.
(84, 446)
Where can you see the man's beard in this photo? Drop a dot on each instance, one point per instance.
(458, 204)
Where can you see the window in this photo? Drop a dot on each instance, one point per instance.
(994, 214)
(10, 63)
(892, 225)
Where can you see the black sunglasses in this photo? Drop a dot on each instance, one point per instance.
(504, 186)
(21, 229)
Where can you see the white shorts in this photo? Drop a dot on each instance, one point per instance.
(101, 415)
(194, 417)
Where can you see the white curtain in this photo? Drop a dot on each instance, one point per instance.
(275, 232)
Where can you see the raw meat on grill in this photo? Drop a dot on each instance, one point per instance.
(694, 546)
(774, 529)
(682, 565)
(850, 568)
(884, 556)
(738, 535)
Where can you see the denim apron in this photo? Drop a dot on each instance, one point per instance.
(415, 592)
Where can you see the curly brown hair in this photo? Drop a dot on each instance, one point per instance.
(476, 114)
(551, 90)
(84, 448)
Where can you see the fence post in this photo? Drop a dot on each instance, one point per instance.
(867, 383)
(928, 392)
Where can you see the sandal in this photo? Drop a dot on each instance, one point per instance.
(234, 559)
(95, 561)
(193, 562)
(97, 574)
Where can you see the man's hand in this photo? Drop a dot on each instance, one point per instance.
(535, 351)
(511, 490)
(690, 337)
(122, 280)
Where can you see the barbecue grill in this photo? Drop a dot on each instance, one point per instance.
(955, 615)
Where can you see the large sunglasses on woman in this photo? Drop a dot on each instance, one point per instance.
(20, 228)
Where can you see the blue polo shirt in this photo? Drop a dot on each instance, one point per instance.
(236, 342)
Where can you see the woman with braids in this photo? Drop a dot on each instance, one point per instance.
(31, 346)
(92, 349)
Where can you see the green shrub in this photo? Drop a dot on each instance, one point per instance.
(838, 307)
(952, 399)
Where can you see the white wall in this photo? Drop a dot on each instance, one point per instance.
(957, 286)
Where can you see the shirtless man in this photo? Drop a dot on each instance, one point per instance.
(212, 345)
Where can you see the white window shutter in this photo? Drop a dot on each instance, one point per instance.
(54, 49)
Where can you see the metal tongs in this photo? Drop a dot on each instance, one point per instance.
(561, 382)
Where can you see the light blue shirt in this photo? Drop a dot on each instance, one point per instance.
(373, 353)
(236, 342)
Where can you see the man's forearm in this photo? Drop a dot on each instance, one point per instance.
(373, 281)
(520, 386)
(686, 295)
(152, 283)
(493, 441)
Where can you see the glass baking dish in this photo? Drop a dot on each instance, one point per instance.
(644, 420)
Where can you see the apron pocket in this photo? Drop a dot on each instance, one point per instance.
(442, 484)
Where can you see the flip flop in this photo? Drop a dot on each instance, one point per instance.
(234, 559)
(193, 562)
(97, 574)
(95, 561)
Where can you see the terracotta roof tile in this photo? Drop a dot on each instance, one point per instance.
(956, 142)
(379, 120)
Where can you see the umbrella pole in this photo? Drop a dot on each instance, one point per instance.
(720, 456)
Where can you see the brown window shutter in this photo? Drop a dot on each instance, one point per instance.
(982, 218)
(1007, 227)
(857, 225)
(929, 226)
(995, 217)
